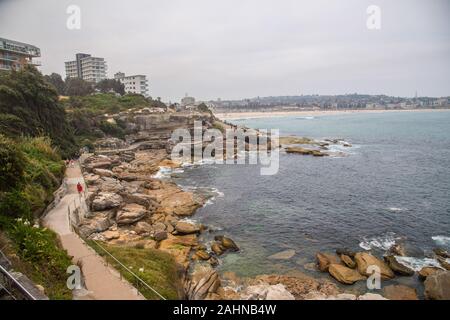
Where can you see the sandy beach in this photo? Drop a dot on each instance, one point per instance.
(241, 115)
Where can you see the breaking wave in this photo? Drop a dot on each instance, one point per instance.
(441, 240)
(383, 242)
(417, 263)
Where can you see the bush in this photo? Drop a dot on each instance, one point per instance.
(14, 204)
(12, 164)
(112, 129)
(43, 260)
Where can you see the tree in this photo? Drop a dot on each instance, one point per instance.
(29, 106)
(57, 81)
(203, 108)
(78, 87)
(109, 85)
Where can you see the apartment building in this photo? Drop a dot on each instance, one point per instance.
(15, 55)
(86, 67)
(137, 84)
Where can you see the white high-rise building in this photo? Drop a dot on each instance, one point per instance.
(137, 84)
(86, 67)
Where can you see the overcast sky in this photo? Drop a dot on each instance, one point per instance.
(234, 49)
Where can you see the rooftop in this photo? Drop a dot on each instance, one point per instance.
(19, 47)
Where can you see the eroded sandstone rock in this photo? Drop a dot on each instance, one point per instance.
(344, 274)
(365, 260)
(105, 201)
(130, 213)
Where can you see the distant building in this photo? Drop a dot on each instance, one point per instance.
(86, 67)
(186, 101)
(137, 84)
(15, 55)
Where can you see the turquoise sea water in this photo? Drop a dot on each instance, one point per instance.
(392, 187)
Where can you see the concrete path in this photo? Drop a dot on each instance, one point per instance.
(102, 282)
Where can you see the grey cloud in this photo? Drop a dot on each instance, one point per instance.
(237, 49)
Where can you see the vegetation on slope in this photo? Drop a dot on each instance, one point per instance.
(30, 171)
(155, 267)
(29, 106)
(34, 251)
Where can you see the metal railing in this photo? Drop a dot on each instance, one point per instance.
(83, 206)
(11, 282)
(139, 279)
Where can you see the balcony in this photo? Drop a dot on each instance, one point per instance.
(5, 67)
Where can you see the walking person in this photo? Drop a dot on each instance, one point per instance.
(79, 189)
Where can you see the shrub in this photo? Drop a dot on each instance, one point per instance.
(44, 261)
(14, 204)
(112, 129)
(12, 164)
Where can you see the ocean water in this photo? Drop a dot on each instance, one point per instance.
(392, 187)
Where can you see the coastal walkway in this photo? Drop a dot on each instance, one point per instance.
(101, 281)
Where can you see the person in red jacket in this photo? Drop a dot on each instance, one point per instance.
(79, 188)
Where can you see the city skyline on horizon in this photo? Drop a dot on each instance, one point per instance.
(259, 49)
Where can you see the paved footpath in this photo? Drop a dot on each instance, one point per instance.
(102, 282)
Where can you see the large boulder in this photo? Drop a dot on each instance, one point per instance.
(442, 253)
(325, 259)
(105, 201)
(399, 292)
(227, 243)
(343, 274)
(345, 251)
(443, 262)
(427, 271)
(160, 235)
(130, 213)
(184, 227)
(267, 292)
(111, 185)
(145, 200)
(98, 223)
(437, 286)
(143, 227)
(371, 296)
(397, 267)
(397, 249)
(100, 164)
(348, 261)
(202, 255)
(365, 260)
(91, 179)
(300, 285)
(204, 280)
(103, 172)
(217, 248)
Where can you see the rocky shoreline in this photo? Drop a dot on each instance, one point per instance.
(131, 206)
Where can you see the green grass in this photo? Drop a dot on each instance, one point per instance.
(98, 104)
(160, 269)
(36, 253)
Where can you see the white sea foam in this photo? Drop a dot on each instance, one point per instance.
(441, 240)
(165, 172)
(417, 263)
(395, 209)
(383, 242)
(305, 118)
(189, 220)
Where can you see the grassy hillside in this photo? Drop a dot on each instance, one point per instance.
(88, 115)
